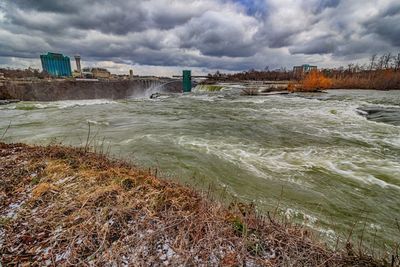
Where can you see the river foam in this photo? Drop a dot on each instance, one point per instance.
(64, 104)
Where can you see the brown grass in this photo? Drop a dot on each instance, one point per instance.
(43, 189)
(79, 208)
(379, 80)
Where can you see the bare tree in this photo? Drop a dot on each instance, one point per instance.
(357, 68)
(381, 62)
(372, 61)
(397, 62)
(387, 59)
(351, 67)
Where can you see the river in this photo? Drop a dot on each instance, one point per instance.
(326, 160)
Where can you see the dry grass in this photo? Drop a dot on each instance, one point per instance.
(42, 189)
(63, 206)
(378, 79)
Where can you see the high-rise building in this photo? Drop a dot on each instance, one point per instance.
(78, 63)
(298, 71)
(56, 65)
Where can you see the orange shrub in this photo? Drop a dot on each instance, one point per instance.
(291, 87)
(315, 80)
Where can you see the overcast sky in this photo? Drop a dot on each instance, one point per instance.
(163, 36)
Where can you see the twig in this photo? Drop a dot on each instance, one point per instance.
(4, 134)
(279, 202)
(87, 139)
(362, 235)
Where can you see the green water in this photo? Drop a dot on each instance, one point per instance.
(334, 158)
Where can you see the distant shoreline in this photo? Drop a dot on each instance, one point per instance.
(12, 91)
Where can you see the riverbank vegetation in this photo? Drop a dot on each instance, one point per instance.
(313, 81)
(67, 206)
(384, 79)
(24, 73)
(382, 72)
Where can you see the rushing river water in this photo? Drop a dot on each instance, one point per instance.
(331, 160)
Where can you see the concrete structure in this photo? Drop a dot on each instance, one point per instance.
(100, 73)
(78, 63)
(77, 74)
(187, 81)
(86, 89)
(97, 73)
(56, 65)
(300, 70)
(1, 79)
(131, 73)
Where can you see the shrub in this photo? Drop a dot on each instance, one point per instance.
(291, 87)
(314, 81)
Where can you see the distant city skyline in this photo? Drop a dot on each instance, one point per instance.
(161, 37)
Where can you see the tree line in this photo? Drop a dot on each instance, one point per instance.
(380, 72)
(23, 73)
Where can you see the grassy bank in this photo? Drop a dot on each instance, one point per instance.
(65, 206)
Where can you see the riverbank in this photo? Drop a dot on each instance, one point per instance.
(55, 90)
(62, 206)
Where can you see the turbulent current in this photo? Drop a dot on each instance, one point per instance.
(330, 161)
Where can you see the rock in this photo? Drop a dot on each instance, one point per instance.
(155, 95)
(6, 102)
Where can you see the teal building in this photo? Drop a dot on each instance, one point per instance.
(187, 81)
(56, 65)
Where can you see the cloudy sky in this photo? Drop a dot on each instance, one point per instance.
(163, 36)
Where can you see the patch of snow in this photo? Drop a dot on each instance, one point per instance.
(13, 208)
(63, 256)
(270, 254)
(165, 251)
(2, 236)
(61, 181)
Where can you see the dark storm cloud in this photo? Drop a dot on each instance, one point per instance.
(322, 45)
(69, 6)
(214, 35)
(226, 34)
(327, 4)
(108, 17)
(387, 29)
(386, 25)
(114, 17)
